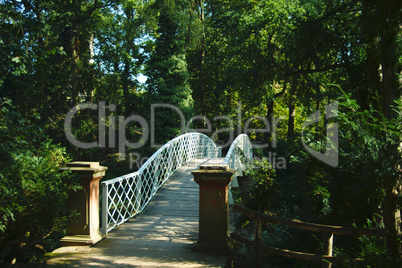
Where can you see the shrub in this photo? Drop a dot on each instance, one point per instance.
(34, 192)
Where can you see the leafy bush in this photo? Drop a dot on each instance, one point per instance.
(34, 192)
(259, 195)
(352, 194)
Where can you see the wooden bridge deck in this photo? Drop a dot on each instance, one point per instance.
(162, 236)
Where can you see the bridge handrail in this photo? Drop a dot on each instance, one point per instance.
(126, 196)
(237, 158)
(240, 148)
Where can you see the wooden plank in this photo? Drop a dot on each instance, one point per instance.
(327, 245)
(257, 239)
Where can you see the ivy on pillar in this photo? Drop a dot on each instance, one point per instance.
(213, 208)
(85, 231)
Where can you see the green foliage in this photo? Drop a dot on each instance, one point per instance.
(352, 194)
(258, 197)
(33, 207)
(167, 71)
(210, 58)
(369, 157)
(373, 248)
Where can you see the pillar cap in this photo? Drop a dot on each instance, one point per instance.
(214, 167)
(86, 169)
(213, 174)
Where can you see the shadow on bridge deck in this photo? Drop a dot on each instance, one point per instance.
(162, 236)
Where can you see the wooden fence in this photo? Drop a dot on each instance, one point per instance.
(328, 234)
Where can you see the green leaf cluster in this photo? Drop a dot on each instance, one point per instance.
(34, 192)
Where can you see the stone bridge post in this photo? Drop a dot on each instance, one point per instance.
(86, 230)
(213, 207)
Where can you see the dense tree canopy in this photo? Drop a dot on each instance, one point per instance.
(224, 62)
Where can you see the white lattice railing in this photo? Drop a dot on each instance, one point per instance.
(237, 158)
(126, 196)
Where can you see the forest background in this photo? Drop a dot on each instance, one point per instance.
(266, 59)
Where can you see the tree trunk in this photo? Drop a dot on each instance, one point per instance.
(388, 17)
(291, 122)
(270, 115)
(74, 46)
(292, 110)
(202, 58)
(125, 78)
(129, 43)
(91, 89)
(390, 223)
(390, 83)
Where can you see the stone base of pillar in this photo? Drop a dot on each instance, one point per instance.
(221, 249)
(80, 240)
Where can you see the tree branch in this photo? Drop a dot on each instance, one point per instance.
(99, 6)
(283, 89)
(310, 71)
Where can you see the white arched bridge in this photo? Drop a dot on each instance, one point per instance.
(150, 217)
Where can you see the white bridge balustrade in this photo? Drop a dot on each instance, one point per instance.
(128, 195)
(238, 157)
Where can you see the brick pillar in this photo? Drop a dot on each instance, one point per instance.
(213, 208)
(86, 230)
